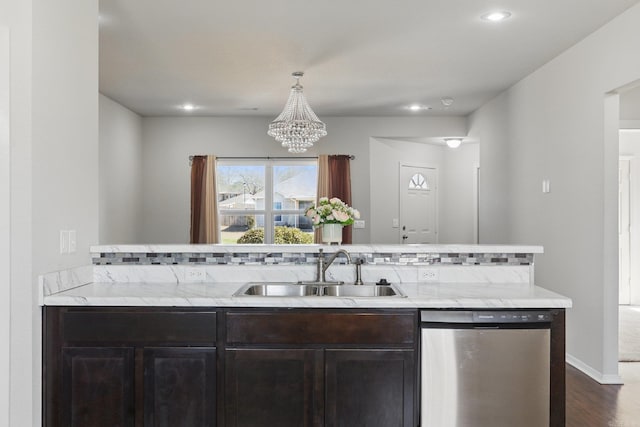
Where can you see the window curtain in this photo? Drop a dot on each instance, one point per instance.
(204, 206)
(334, 180)
(323, 187)
(340, 186)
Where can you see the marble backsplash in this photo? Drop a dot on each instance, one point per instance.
(219, 264)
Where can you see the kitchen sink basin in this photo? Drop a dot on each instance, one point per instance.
(279, 290)
(361, 291)
(306, 289)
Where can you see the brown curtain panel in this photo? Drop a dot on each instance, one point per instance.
(198, 166)
(204, 215)
(340, 186)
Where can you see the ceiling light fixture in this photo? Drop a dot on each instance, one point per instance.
(496, 16)
(188, 107)
(297, 127)
(418, 107)
(453, 142)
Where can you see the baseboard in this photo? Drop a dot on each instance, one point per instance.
(593, 373)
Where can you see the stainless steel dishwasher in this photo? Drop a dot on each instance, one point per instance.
(485, 368)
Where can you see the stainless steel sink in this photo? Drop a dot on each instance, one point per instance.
(361, 291)
(306, 289)
(278, 290)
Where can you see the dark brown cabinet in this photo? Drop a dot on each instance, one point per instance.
(99, 383)
(321, 368)
(229, 367)
(179, 386)
(369, 388)
(272, 387)
(129, 367)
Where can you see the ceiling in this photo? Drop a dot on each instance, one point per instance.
(360, 57)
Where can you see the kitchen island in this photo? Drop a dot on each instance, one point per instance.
(157, 335)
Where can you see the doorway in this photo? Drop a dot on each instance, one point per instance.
(418, 204)
(629, 244)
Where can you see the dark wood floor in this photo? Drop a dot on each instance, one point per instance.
(592, 404)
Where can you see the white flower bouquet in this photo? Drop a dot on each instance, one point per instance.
(332, 211)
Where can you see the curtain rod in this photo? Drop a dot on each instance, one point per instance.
(351, 157)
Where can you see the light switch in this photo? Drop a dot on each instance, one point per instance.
(395, 223)
(64, 241)
(546, 186)
(72, 241)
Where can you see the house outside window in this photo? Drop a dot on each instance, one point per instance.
(260, 201)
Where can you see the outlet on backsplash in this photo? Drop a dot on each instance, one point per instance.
(195, 274)
(428, 274)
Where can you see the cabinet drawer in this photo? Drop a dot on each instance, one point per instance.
(131, 327)
(395, 328)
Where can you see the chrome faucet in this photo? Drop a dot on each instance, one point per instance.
(324, 264)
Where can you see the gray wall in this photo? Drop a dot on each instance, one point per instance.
(455, 187)
(560, 124)
(120, 183)
(168, 142)
(54, 171)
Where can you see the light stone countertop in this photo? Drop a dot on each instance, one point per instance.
(355, 248)
(418, 295)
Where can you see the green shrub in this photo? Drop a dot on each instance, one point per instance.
(284, 235)
(255, 235)
(292, 235)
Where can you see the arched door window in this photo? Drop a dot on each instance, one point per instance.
(418, 182)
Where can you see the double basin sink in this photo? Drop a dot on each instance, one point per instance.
(317, 289)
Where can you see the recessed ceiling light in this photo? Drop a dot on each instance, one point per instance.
(188, 107)
(453, 142)
(496, 16)
(418, 107)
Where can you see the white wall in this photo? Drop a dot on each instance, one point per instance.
(5, 222)
(64, 144)
(120, 182)
(458, 196)
(168, 142)
(554, 123)
(53, 170)
(455, 187)
(489, 126)
(630, 146)
(16, 15)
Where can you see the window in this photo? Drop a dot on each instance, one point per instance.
(263, 201)
(418, 182)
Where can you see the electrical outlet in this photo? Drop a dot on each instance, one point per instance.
(428, 274)
(195, 275)
(359, 223)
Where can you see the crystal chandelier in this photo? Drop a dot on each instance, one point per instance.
(297, 127)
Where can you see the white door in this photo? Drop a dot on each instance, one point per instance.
(624, 228)
(418, 204)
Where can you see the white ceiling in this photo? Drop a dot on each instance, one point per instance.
(361, 57)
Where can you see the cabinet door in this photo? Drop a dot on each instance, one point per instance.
(179, 387)
(370, 388)
(98, 387)
(273, 387)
